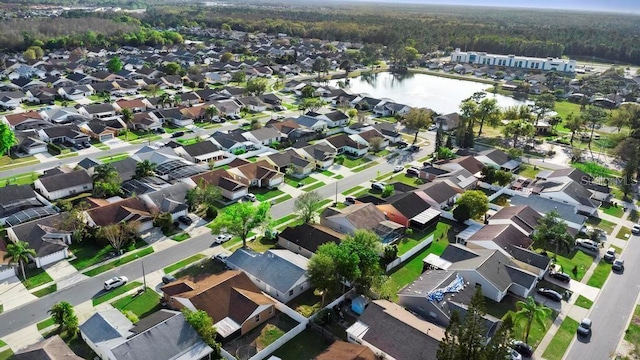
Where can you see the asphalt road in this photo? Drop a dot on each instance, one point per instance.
(611, 310)
(34, 312)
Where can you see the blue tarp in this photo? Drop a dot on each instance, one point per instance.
(456, 285)
(358, 304)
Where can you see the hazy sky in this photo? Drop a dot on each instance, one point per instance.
(606, 5)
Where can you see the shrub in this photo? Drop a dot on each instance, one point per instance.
(131, 316)
(211, 212)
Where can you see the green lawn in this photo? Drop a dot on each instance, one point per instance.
(7, 160)
(384, 176)
(46, 291)
(609, 209)
(283, 198)
(564, 108)
(338, 177)
(306, 345)
(22, 179)
(141, 305)
(88, 255)
(7, 354)
(326, 173)
(35, 278)
(405, 179)
(112, 158)
(595, 169)
(45, 324)
(262, 244)
(307, 303)
(171, 130)
(537, 332)
(2, 343)
(632, 334)
(584, 302)
(600, 274)
(317, 185)
(181, 237)
(352, 190)
(99, 145)
(603, 224)
(624, 233)
(232, 243)
(351, 162)
(561, 340)
(189, 141)
(121, 261)
(266, 194)
(292, 181)
(529, 171)
(269, 334)
(204, 268)
(364, 167)
(576, 258)
(283, 220)
(180, 264)
(115, 292)
(417, 237)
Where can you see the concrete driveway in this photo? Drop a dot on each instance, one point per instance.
(13, 294)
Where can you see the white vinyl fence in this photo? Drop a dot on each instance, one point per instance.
(404, 257)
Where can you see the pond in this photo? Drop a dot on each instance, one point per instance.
(443, 95)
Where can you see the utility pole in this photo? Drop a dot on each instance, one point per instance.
(144, 278)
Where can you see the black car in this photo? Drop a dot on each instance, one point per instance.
(185, 220)
(402, 145)
(168, 279)
(177, 134)
(414, 148)
(561, 276)
(522, 348)
(550, 294)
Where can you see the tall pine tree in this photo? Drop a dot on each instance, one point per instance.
(449, 344)
(439, 140)
(472, 335)
(498, 347)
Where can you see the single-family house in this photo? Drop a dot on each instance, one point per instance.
(62, 115)
(498, 237)
(522, 217)
(311, 123)
(346, 144)
(394, 333)
(388, 130)
(410, 209)
(103, 130)
(568, 212)
(63, 185)
(63, 134)
(389, 108)
(53, 348)
(126, 210)
(126, 168)
(231, 189)
(280, 273)
(31, 145)
(163, 335)
(227, 107)
(447, 122)
(323, 155)
(146, 121)
(134, 105)
(173, 116)
(201, 152)
(99, 111)
(170, 81)
(76, 92)
(333, 119)
(305, 239)
(253, 103)
(259, 174)
(170, 199)
(16, 199)
(7, 269)
(368, 137)
(44, 237)
(290, 159)
(30, 120)
(361, 216)
(264, 136)
(498, 159)
(230, 298)
(12, 99)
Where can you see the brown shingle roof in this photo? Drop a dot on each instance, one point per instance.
(341, 350)
(15, 119)
(128, 209)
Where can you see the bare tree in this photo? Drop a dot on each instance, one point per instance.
(118, 235)
(307, 205)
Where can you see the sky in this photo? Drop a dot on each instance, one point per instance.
(625, 6)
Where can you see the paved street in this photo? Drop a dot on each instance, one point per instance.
(611, 310)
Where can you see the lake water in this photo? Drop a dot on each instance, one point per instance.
(443, 95)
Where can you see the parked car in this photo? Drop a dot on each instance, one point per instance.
(414, 148)
(514, 355)
(160, 130)
(550, 294)
(618, 265)
(584, 329)
(610, 254)
(78, 146)
(177, 134)
(86, 145)
(588, 244)
(398, 168)
(168, 279)
(185, 220)
(402, 145)
(433, 127)
(250, 197)
(523, 348)
(245, 124)
(378, 186)
(221, 258)
(350, 200)
(564, 277)
(221, 238)
(413, 171)
(635, 229)
(115, 282)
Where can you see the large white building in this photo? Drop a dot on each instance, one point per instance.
(519, 62)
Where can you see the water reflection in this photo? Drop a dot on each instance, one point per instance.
(421, 90)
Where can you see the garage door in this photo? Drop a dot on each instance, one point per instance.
(106, 137)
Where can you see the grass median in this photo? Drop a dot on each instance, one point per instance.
(119, 262)
(115, 293)
(180, 264)
(562, 339)
(46, 291)
(583, 302)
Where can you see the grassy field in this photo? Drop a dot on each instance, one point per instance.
(405, 179)
(115, 293)
(88, 255)
(354, 162)
(314, 186)
(364, 166)
(265, 194)
(307, 303)
(7, 160)
(262, 244)
(292, 181)
(45, 324)
(584, 302)
(268, 336)
(283, 220)
(562, 339)
(529, 171)
(46, 291)
(600, 274)
(564, 108)
(609, 209)
(35, 278)
(121, 261)
(141, 305)
(183, 263)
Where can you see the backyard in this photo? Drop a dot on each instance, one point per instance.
(263, 335)
(306, 345)
(307, 303)
(416, 237)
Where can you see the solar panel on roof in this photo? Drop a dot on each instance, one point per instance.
(29, 214)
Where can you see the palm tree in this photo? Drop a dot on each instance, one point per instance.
(127, 116)
(145, 168)
(531, 312)
(164, 99)
(103, 172)
(62, 314)
(211, 112)
(177, 99)
(19, 253)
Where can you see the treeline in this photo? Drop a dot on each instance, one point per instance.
(128, 4)
(70, 33)
(522, 31)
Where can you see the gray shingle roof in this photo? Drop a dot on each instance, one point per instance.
(66, 180)
(271, 269)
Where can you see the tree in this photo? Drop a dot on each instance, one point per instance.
(311, 104)
(498, 347)
(449, 344)
(73, 219)
(346, 66)
(327, 267)
(439, 142)
(256, 86)
(240, 219)
(518, 128)
(307, 206)
(543, 104)
(308, 91)
(7, 138)
(352, 113)
(62, 314)
(145, 168)
(164, 221)
(106, 181)
(211, 112)
(225, 27)
(444, 153)
(367, 247)
(376, 143)
(255, 124)
(239, 76)
(488, 174)
(488, 111)
(476, 201)
(552, 231)
(320, 65)
(593, 116)
(114, 64)
(20, 253)
(503, 178)
(203, 195)
(202, 323)
(416, 120)
(120, 234)
(172, 68)
(473, 330)
(153, 89)
(531, 312)
(410, 54)
(461, 213)
(574, 124)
